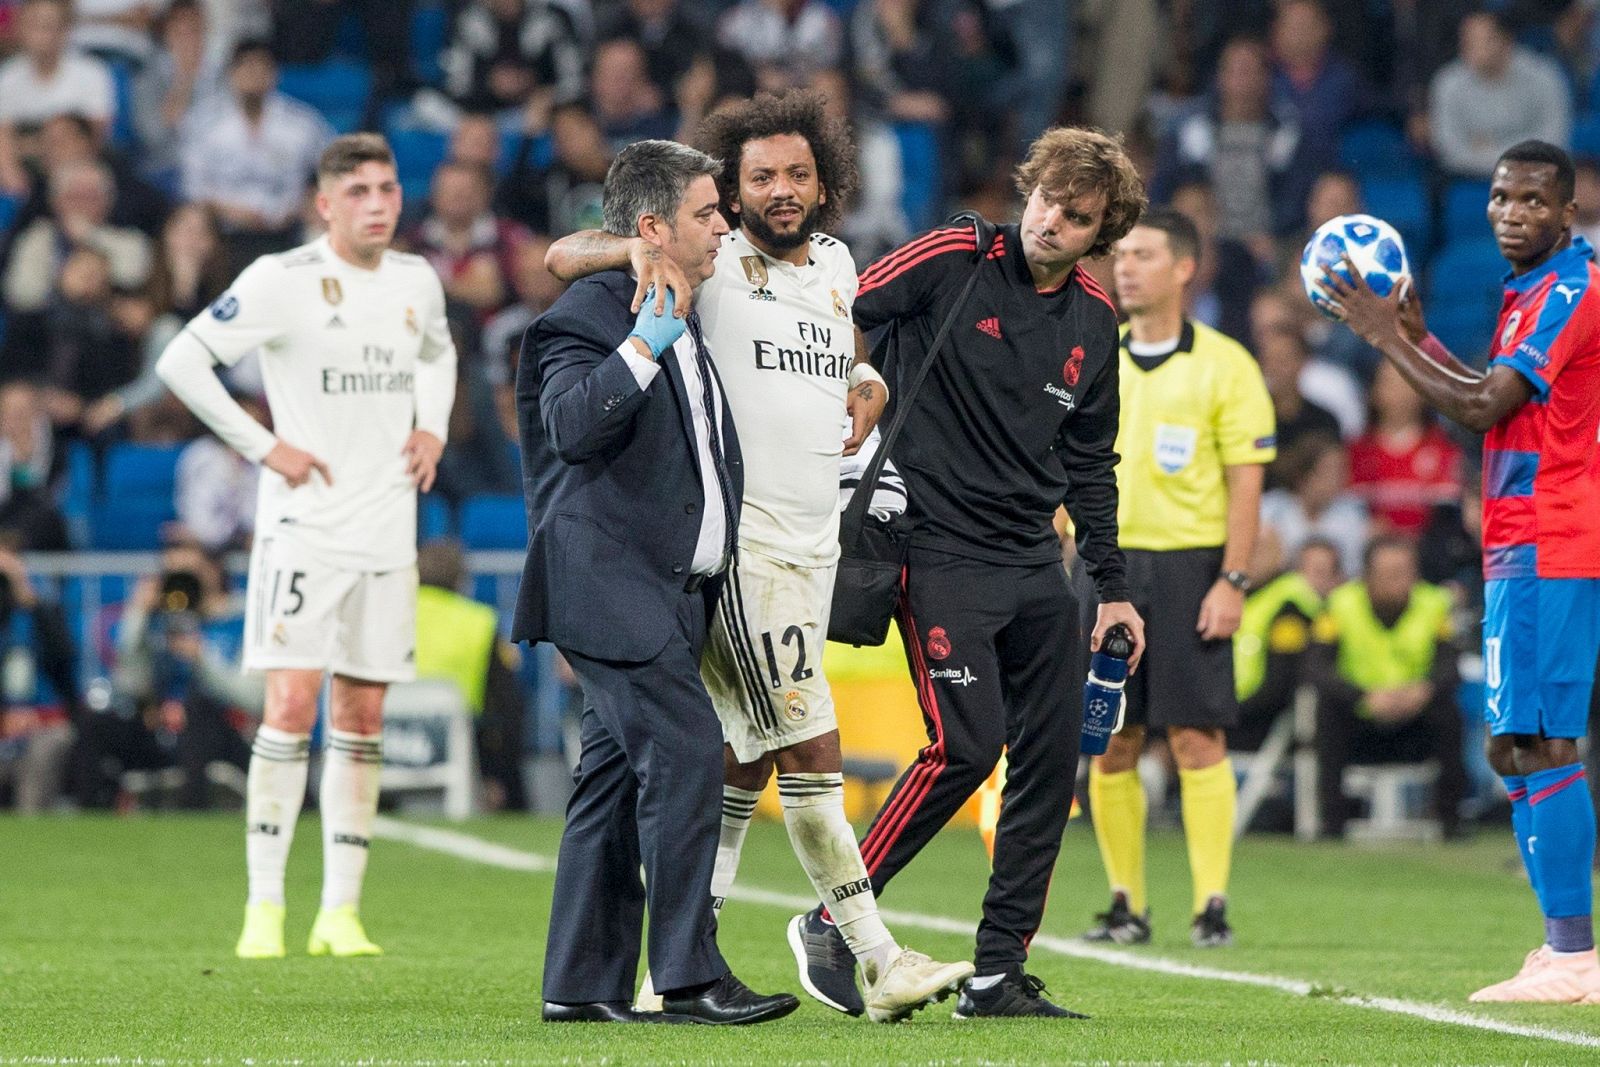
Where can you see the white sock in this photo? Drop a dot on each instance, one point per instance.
(984, 981)
(274, 791)
(825, 842)
(349, 801)
(738, 805)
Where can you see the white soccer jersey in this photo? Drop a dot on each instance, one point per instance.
(783, 342)
(353, 360)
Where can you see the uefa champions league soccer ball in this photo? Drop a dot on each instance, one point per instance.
(1372, 245)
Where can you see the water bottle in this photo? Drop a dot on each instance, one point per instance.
(1103, 699)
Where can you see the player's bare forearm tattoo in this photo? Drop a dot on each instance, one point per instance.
(866, 391)
(592, 251)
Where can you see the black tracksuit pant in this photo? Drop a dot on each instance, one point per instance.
(992, 651)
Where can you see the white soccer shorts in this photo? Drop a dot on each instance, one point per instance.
(301, 614)
(763, 656)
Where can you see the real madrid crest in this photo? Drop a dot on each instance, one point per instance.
(755, 270)
(794, 706)
(411, 320)
(838, 306)
(331, 291)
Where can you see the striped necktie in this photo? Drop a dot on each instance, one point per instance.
(713, 423)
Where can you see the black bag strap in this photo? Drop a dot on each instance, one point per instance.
(855, 516)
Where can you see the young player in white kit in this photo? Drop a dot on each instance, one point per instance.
(360, 374)
(776, 314)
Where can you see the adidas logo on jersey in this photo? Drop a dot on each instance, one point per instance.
(990, 326)
(335, 323)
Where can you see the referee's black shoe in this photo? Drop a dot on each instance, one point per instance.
(1016, 995)
(1119, 925)
(728, 1002)
(827, 966)
(1211, 929)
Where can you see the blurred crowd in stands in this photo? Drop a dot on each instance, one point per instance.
(149, 149)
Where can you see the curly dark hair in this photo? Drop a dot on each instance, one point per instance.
(724, 133)
(1068, 161)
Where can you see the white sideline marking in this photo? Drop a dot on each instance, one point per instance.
(477, 850)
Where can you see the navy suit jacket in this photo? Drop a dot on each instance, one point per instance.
(611, 477)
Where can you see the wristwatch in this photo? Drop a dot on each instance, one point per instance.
(1238, 579)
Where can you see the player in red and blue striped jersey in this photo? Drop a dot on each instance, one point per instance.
(1539, 405)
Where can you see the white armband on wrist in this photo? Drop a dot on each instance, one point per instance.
(865, 372)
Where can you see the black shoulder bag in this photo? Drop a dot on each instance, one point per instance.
(873, 552)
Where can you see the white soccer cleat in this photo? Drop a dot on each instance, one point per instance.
(648, 999)
(1534, 961)
(911, 981)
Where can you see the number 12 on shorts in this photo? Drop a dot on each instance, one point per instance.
(793, 635)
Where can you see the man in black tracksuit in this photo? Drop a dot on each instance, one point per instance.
(1018, 415)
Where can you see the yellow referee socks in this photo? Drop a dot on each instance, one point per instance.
(1118, 806)
(1210, 798)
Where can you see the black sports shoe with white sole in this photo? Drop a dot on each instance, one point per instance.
(1016, 995)
(1119, 925)
(827, 966)
(1211, 929)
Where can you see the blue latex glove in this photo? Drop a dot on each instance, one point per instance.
(658, 332)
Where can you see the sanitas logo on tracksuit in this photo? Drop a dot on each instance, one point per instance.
(953, 675)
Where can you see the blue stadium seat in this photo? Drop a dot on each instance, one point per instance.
(416, 154)
(78, 491)
(9, 207)
(122, 132)
(351, 37)
(1586, 136)
(1464, 332)
(1465, 203)
(1402, 203)
(142, 470)
(338, 88)
(430, 27)
(919, 167)
(434, 519)
(1378, 148)
(130, 524)
(137, 498)
(1464, 294)
(1467, 272)
(494, 521)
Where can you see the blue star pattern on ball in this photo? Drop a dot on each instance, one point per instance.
(1371, 244)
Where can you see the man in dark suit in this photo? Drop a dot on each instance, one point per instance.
(633, 478)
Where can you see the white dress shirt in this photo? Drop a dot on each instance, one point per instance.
(708, 549)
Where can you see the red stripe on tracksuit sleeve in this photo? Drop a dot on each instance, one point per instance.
(912, 247)
(867, 285)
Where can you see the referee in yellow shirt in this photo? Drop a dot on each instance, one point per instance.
(1196, 435)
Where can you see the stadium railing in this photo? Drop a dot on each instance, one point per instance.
(89, 586)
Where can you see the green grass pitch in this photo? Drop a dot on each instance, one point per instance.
(116, 948)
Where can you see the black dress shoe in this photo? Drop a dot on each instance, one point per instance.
(729, 1002)
(603, 1011)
